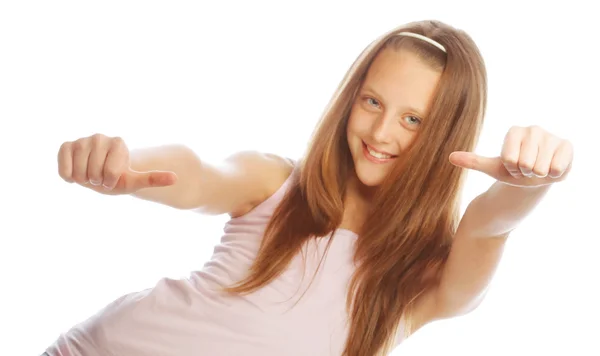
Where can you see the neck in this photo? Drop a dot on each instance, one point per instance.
(357, 201)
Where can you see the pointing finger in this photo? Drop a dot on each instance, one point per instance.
(135, 181)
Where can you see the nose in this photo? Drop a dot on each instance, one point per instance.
(381, 129)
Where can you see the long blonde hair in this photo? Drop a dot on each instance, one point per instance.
(415, 213)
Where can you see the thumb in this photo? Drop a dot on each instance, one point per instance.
(491, 166)
(133, 180)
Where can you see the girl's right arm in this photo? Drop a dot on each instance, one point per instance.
(173, 175)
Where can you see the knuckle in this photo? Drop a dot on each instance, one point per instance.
(65, 147)
(119, 150)
(536, 132)
(64, 173)
(514, 129)
(117, 142)
(98, 139)
(536, 128)
(565, 144)
(80, 144)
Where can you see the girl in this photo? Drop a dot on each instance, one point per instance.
(351, 249)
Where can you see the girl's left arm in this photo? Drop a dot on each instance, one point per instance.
(532, 160)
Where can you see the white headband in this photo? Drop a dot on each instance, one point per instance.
(423, 38)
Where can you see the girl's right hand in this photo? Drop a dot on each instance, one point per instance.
(102, 164)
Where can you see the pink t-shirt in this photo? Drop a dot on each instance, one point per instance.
(191, 317)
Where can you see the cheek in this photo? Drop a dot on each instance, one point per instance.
(407, 140)
(358, 122)
(351, 125)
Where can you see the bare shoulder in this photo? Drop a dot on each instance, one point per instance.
(261, 173)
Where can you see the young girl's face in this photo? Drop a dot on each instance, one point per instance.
(388, 111)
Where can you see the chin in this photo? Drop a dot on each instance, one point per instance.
(368, 175)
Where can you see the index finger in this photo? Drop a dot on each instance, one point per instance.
(134, 181)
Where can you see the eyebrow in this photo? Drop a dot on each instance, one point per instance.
(415, 110)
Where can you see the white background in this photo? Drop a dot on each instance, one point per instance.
(251, 75)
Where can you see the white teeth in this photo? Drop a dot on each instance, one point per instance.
(377, 154)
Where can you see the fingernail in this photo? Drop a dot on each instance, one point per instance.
(93, 182)
(106, 187)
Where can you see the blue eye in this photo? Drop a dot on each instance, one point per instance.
(413, 120)
(373, 102)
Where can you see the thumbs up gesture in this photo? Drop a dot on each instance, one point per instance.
(102, 164)
(530, 157)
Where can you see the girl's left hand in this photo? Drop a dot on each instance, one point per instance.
(530, 157)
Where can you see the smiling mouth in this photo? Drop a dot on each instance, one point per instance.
(375, 156)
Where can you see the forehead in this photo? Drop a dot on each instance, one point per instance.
(402, 79)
